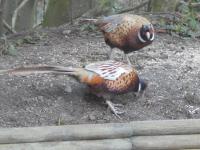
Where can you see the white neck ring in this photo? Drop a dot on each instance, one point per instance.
(140, 38)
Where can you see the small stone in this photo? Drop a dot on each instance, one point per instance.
(40, 98)
(59, 98)
(66, 32)
(68, 89)
(51, 85)
(163, 56)
(92, 117)
(66, 36)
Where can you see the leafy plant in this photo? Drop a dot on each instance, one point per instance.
(188, 25)
(88, 27)
(185, 21)
(112, 5)
(7, 47)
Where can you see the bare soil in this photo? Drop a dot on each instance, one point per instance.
(170, 65)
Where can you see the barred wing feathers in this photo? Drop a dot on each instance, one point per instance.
(110, 69)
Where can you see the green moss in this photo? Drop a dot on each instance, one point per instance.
(57, 13)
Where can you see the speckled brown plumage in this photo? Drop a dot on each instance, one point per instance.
(108, 77)
(124, 83)
(123, 30)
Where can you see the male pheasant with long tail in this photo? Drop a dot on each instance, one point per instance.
(104, 78)
(125, 31)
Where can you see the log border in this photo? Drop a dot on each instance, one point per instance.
(99, 131)
(164, 142)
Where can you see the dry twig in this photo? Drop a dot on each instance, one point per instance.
(7, 26)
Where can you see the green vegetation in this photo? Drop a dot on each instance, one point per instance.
(7, 48)
(111, 5)
(188, 25)
(184, 21)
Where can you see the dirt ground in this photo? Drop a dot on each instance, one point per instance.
(170, 65)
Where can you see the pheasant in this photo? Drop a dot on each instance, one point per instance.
(104, 78)
(125, 31)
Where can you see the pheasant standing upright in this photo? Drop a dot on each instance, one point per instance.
(103, 78)
(125, 31)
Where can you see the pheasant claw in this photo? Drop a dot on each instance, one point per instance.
(115, 108)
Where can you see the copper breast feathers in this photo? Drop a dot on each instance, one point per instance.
(122, 31)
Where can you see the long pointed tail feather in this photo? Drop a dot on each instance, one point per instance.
(40, 69)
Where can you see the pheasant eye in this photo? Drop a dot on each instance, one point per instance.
(145, 29)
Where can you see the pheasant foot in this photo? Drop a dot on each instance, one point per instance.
(115, 108)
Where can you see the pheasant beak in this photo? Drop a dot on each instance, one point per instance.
(148, 35)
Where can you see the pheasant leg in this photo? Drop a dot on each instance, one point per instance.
(110, 53)
(126, 58)
(115, 108)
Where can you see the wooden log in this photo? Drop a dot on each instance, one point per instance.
(64, 133)
(116, 144)
(168, 142)
(166, 127)
(98, 131)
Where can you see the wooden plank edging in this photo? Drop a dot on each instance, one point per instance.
(99, 131)
(168, 142)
